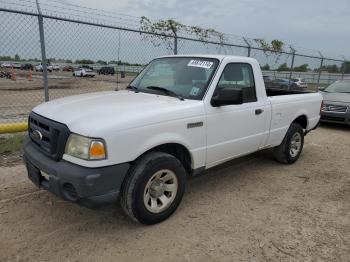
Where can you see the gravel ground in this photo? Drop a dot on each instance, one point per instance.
(251, 209)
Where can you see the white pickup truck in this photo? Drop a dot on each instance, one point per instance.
(179, 116)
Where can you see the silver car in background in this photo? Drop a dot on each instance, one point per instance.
(300, 82)
(336, 103)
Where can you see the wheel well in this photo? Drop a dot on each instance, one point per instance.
(301, 120)
(178, 151)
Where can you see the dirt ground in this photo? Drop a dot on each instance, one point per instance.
(251, 209)
(17, 98)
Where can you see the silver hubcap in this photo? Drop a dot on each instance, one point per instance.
(160, 191)
(295, 145)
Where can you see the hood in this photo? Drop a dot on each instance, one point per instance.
(92, 114)
(336, 97)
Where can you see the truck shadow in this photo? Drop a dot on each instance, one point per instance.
(335, 126)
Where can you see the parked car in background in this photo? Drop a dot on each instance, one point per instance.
(6, 65)
(56, 68)
(68, 69)
(300, 82)
(26, 67)
(39, 68)
(336, 103)
(268, 81)
(84, 72)
(86, 67)
(106, 70)
(282, 83)
(16, 65)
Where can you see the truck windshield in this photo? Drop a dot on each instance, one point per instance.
(187, 77)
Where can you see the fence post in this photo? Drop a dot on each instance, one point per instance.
(342, 68)
(319, 73)
(248, 46)
(292, 67)
(175, 45)
(43, 51)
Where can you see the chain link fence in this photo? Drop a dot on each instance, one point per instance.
(41, 55)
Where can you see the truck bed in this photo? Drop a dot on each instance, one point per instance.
(282, 92)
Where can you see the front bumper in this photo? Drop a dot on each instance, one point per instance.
(90, 187)
(339, 118)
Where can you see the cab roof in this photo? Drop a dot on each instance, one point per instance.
(220, 57)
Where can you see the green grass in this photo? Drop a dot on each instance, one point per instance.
(11, 143)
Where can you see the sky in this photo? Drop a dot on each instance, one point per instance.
(317, 25)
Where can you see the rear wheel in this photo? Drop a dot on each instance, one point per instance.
(153, 188)
(290, 149)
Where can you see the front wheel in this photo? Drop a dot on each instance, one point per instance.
(153, 188)
(290, 149)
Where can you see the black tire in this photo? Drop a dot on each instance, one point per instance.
(283, 153)
(132, 192)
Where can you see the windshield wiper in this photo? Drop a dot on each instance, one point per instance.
(166, 91)
(133, 88)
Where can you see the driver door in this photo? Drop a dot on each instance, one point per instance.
(235, 130)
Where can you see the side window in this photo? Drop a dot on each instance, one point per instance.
(239, 75)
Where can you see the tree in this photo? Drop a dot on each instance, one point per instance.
(101, 62)
(301, 68)
(345, 67)
(17, 57)
(166, 31)
(283, 67)
(266, 67)
(271, 49)
(84, 61)
(330, 68)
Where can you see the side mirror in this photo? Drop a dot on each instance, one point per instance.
(227, 96)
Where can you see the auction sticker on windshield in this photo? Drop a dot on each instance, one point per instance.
(200, 63)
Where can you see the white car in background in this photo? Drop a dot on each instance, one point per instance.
(84, 72)
(39, 68)
(55, 67)
(6, 65)
(300, 82)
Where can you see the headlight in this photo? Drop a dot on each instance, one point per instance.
(85, 147)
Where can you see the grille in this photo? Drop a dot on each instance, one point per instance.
(334, 108)
(333, 118)
(49, 136)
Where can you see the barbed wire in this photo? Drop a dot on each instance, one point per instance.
(74, 11)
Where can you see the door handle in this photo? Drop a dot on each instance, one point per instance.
(258, 111)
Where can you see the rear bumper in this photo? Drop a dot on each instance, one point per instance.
(90, 187)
